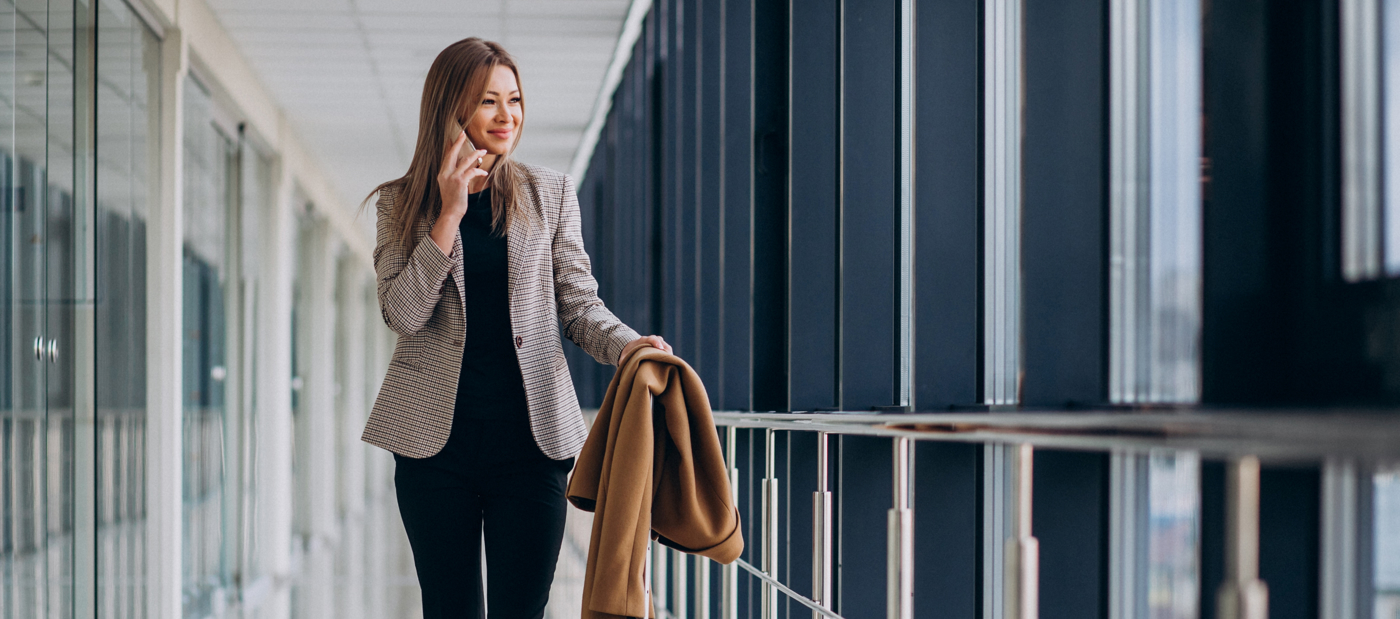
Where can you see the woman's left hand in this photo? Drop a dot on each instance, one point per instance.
(653, 341)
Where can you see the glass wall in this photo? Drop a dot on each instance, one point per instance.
(40, 296)
(208, 158)
(80, 190)
(128, 113)
(1387, 544)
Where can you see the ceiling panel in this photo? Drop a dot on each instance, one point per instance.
(349, 73)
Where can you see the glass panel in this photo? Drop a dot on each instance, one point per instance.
(64, 252)
(127, 167)
(1387, 550)
(1155, 201)
(1002, 203)
(207, 159)
(1390, 119)
(23, 422)
(1154, 535)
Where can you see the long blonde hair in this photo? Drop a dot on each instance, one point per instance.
(453, 90)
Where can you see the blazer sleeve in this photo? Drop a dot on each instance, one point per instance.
(410, 283)
(587, 322)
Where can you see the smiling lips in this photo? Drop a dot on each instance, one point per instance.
(500, 134)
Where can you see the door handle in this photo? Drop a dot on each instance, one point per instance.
(39, 348)
(53, 351)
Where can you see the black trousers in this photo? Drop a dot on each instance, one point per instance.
(486, 481)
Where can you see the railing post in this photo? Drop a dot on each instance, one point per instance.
(680, 577)
(1022, 549)
(1243, 595)
(899, 580)
(660, 578)
(702, 588)
(770, 522)
(821, 531)
(729, 586)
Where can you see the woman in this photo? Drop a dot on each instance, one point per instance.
(479, 259)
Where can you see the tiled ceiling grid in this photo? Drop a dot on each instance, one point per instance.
(349, 73)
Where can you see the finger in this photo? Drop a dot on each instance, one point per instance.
(472, 173)
(472, 165)
(450, 161)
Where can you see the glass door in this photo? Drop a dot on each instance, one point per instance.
(24, 514)
(48, 289)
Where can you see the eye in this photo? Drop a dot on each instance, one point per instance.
(488, 101)
(515, 100)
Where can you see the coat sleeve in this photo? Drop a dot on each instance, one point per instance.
(410, 283)
(587, 322)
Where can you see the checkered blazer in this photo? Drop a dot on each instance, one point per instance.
(549, 282)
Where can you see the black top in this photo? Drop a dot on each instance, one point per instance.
(490, 386)
(491, 420)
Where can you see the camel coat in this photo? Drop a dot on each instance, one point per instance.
(649, 474)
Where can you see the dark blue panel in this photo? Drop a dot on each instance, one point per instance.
(864, 499)
(1070, 519)
(750, 465)
(671, 276)
(687, 232)
(709, 197)
(1238, 352)
(736, 328)
(946, 517)
(1289, 501)
(869, 204)
(801, 480)
(948, 248)
(770, 206)
(1065, 209)
(814, 144)
(1212, 535)
(782, 467)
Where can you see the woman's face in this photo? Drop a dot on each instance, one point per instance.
(497, 119)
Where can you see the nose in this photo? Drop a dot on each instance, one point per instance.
(502, 114)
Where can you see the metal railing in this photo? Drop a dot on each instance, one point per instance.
(1240, 438)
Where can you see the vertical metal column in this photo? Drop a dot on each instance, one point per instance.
(900, 551)
(821, 531)
(1361, 139)
(770, 522)
(1243, 595)
(905, 362)
(729, 586)
(1022, 549)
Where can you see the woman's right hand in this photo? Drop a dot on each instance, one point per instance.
(454, 180)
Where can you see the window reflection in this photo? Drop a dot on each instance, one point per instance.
(207, 155)
(127, 132)
(1155, 535)
(1387, 540)
(1174, 515)
(1390, 119)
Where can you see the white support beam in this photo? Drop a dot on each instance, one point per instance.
(274, 386)
(165, 232)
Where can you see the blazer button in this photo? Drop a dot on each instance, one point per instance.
(519, 341)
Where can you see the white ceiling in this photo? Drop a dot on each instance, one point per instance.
(349, 73)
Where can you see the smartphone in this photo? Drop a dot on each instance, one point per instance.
(468, 149)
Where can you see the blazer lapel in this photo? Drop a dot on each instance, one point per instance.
(459, 272)
(518, 239)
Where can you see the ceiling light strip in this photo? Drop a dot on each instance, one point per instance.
(631, 31)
